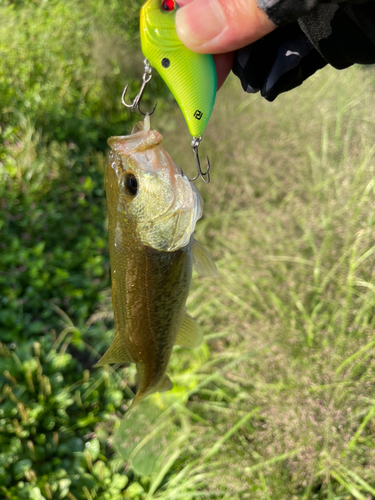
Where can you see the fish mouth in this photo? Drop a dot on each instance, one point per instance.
(140, 139)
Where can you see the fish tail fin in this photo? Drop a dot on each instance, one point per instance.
(164, 385)
(138, 398)
(116, 353)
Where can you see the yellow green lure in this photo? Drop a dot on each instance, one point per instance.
(190, 77)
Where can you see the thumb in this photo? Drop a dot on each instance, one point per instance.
(217, 26)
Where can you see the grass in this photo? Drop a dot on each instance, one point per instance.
(282, 405)
(278, 402)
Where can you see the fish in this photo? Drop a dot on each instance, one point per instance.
(152, 211)
(190, 77)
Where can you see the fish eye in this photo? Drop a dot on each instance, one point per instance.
(129, 184)
(168, 5)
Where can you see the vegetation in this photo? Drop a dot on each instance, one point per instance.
(278, 402)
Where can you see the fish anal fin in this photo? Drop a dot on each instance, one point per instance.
(202, 260)
(189, 335)
(116, 353)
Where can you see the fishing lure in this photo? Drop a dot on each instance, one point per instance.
(190, 77)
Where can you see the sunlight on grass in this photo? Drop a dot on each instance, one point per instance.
(289, 219)
(278, 400)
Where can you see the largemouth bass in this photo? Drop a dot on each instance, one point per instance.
(152, 212)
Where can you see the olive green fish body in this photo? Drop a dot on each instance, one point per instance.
(152, 211)
(149, 292)
(163, 308)
(191, 77)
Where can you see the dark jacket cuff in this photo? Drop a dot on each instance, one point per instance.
(282, 12)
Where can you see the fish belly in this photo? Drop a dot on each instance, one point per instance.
(149, 297)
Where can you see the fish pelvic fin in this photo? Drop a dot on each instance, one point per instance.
(202, 261)
(190, 334)
(116, 353)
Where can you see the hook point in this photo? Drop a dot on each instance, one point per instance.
(205, 176)
(150, 113)
(145, 79)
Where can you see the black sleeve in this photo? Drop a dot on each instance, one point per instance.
(343, 34)
(337, 34)
(277, 63)
(283, 12)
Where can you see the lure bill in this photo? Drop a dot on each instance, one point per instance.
(152, 212)
(190, 77)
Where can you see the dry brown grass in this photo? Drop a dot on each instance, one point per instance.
(283, 406)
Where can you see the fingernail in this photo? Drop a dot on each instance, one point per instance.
(199, 21)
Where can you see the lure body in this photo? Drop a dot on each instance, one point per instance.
(190, 77)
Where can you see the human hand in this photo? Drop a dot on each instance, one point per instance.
(220, 27)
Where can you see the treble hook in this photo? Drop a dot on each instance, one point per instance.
(205, 176)
(145, 79)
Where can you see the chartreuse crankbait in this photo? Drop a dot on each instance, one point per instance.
(190, 77)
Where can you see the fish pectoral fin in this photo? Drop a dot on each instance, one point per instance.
(202, 261)
(189, 335)
(116, 353)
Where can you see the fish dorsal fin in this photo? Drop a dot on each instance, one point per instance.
(116, 353)
(189, 334)
(202, 260)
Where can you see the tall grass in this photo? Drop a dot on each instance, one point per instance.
(282, 404)
(278, 402)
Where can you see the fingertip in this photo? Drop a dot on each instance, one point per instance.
(210, 26)
(199, 22)
(182, 3)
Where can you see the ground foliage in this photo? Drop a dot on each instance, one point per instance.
(279, 401)
(63, 67)
(59, 104)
